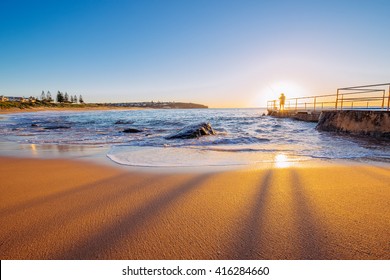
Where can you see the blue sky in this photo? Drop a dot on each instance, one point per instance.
(220, 53)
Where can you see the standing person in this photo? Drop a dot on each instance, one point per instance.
(282, 100)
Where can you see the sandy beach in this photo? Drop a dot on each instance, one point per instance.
(65, 209)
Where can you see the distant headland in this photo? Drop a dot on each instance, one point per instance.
(159, 105)
(8, 103)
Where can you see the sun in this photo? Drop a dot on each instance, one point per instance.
(272, 91)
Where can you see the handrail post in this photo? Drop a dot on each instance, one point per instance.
(388, 100)
(337, 98)
(383, 99)
(341, 106)
(314, 104)
(296, 103)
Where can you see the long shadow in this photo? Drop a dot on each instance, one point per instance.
(250, 236)
(90, 205)
(375, 174)
(133, 221)
(383, 168)
(310, 235)
(52, 197)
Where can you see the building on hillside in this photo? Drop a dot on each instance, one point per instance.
(3, 98)
(14, 98)
(31, 99)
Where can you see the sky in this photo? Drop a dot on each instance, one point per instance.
(227, 53)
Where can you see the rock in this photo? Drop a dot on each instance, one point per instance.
(193, 131)
(57, 127)
(34, 125)
(131, 130)
(371, 123)
(123, 122)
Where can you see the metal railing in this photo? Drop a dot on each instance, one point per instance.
(307, 103)
(368, 97)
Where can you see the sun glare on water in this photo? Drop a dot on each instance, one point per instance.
(33, 148)
(282, 161)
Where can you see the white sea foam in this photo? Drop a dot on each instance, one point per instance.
(195, 156)
(173, 157)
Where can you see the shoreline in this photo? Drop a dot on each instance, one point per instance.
(99, 154)
(73, 209)
(65, 109)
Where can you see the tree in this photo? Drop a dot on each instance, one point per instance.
(66, 97)
(48, 96)
(75, 99)
(43, 96)
(71, 99)
(81, 100)
(60, 97)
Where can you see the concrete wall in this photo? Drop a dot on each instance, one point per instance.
(373, 123)
(301, 116)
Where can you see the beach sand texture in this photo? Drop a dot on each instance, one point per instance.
(62, 209)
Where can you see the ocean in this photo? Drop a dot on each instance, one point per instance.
(243, 137)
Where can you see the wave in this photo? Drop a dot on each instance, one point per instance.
(243, 150)
(240, 133)
(239, 140)
(168, 156)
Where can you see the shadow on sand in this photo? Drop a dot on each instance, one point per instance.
(257, 240)
(130, 223)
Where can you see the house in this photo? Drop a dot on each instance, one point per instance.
(32, 99)
(17, 99)
(14, 98)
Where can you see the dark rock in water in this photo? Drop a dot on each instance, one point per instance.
(123, 122)
(193, 131)
(34, 125)
(131, 130)
(57, 127)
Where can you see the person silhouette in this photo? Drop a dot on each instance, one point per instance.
(282, 100)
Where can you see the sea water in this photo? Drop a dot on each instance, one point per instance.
(243, 136)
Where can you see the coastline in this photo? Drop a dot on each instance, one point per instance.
(65, 109)
(71, 209)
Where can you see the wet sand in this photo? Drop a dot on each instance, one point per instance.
(64, 209)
